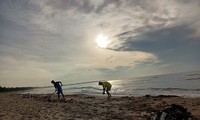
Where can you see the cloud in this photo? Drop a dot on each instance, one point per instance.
(58, 38)
(141, 17)
(16, 72)
(108, 59)
(157, 41)
(71, 5)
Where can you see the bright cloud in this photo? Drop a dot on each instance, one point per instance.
(57, 38)
(109, 59)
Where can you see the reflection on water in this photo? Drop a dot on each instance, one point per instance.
(183, 84)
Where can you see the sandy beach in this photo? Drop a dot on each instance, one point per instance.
(83, 107)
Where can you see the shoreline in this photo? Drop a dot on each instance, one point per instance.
(83, 106)
(32, 91)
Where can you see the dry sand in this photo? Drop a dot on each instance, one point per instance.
(15, 106)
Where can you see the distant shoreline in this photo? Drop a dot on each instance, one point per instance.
(12, 89)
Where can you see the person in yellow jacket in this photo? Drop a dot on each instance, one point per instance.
(106, 87)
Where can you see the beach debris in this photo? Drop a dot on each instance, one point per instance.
(174, 112)
(69, 101)
(145, 114)
(26, 95)
(49, 100)
(90, 97)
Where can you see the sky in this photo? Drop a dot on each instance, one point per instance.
(87, 40)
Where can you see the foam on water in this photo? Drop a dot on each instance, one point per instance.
(181, 84)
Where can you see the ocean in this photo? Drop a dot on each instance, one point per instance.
(185, 84)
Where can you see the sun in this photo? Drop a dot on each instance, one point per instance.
(102, 41)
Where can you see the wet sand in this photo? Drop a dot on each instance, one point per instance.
(83, 107)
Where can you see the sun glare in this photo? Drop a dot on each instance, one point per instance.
(102, 41)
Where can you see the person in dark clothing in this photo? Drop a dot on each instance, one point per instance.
(58, 88)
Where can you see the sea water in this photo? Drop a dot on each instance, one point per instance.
(181, 84)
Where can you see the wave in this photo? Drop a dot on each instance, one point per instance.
(80, 83)
(171, 89)
(164, 89)
(80, 88)
(136, 91)
(170, 84)
(193, 79)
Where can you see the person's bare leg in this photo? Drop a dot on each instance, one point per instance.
(109, 95)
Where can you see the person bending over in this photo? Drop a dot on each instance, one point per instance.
(106, 87)
(58, 88)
